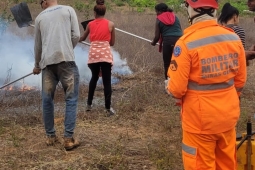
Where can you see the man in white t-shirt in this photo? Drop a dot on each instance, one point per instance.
(56, 34)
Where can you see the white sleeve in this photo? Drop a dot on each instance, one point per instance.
(38, 44)
(75, 30)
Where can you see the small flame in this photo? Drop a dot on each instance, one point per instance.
(9, 88)
(22, 88)
(27, 88)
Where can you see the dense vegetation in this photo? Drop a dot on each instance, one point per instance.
(140, 5)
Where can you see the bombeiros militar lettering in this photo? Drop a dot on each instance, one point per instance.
(219, 65)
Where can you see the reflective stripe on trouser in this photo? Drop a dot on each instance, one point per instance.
(209, 151)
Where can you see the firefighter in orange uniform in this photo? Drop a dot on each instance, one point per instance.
(206, 76)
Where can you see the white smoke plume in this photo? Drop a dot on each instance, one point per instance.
(17, 56)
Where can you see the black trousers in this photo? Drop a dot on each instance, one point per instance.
(168, 46)
(106, 76)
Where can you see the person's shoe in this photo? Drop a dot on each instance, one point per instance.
(166, 83)
(110, 112)
(166, 86)
(70, 143)
(51, 140)
(88, 108)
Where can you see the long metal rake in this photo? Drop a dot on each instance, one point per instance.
(23, 18)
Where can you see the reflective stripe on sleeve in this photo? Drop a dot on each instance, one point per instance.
(211, 40)
(189, 149)
(204, 87)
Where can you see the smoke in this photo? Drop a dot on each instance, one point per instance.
(17, 56)
(120, 66)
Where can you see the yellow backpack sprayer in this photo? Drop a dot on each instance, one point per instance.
(245, 149)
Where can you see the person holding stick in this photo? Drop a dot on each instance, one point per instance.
(167, 31)
(102, 35)
(56, 35)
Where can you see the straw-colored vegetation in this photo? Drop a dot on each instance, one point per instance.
(146, 132)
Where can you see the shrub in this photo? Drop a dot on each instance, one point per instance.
(5, 18)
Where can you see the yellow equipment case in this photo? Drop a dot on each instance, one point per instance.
(242, 154)
(246, 149)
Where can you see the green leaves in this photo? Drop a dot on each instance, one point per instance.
(144, 3)
(240, 5)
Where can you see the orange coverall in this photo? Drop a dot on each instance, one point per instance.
(207, 73)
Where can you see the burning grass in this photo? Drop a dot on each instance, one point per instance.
(145, 133)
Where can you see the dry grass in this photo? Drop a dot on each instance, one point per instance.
(144, 135)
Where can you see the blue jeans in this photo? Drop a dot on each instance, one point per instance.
(68, 74)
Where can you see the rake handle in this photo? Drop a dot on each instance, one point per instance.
(83, 42)
(132, 34)
(15, 81)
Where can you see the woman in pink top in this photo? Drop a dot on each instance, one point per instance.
(102, 35)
